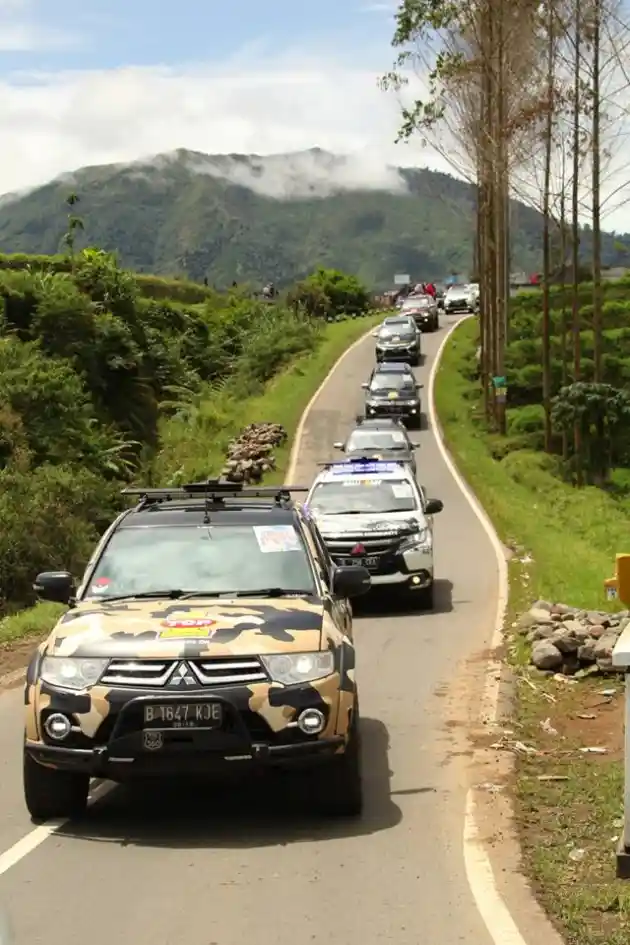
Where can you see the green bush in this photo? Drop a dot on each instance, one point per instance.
(91, 372)
(329, 292)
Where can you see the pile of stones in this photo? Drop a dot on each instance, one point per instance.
(571, 641)
(250, 455)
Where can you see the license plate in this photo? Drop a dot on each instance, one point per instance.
(359, 562)
(184, 715)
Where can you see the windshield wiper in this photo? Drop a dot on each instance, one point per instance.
(170, 594)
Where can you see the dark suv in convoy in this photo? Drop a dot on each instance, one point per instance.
(210, 631)
(391, 393)
(398, 339)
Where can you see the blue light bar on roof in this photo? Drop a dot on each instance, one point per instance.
(360, 467)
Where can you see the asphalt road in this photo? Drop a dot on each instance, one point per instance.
(249, 865)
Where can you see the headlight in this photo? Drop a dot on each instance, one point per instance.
(292, 668)
(72, 673)
(420, 540)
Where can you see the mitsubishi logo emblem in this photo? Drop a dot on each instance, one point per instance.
(358, 550)
(182, 675)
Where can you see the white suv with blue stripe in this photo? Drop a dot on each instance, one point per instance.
(375, 514)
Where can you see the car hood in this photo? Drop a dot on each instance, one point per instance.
(172, 629)
(397, 523)
(395, 340)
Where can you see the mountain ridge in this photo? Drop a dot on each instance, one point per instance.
(255, 218)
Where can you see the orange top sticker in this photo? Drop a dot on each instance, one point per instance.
(181, 628)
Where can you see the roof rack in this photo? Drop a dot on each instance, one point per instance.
(362, 460)
(213, 492)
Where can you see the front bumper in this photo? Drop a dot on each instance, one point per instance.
(413, 568)
(121, 748)
(398, 354)
(451, 308)
(425, 320)
(393, 408)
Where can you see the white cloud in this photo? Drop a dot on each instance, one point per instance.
(64, 121)
(249, 105)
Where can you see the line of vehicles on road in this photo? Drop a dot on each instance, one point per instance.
(453, 299)
(212, 630)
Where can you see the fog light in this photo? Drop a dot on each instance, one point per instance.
(415, 579)
(311, 722)
(57, 726)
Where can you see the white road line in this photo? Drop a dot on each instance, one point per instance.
(501, 926)
(36, 837)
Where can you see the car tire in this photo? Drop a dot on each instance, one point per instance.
(436, 323)
(50, 793)
(338, 785)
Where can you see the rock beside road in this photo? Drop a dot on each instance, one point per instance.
(571, 641)
(250, 455)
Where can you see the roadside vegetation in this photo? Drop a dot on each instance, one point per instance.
(102, 386)
(562, 540)
(528, 100)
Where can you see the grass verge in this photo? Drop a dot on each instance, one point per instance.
(568, 803)
(195, 439)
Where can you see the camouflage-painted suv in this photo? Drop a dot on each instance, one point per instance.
(210, 629)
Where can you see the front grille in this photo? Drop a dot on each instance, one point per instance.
(342, 548)
(157, 674)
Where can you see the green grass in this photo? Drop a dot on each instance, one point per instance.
(564, 541)
(31, 622)
(194, 443)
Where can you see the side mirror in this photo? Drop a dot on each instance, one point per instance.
(433, 506)
(338, 446)
(419, 386)
(374, 334)
(365, 386)
(414, 445)
(351, 582)
(54, 586)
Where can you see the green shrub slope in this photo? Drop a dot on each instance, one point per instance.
(100, 386)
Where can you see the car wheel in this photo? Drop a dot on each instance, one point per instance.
(436, 323)
(50, 793)
(338, 785)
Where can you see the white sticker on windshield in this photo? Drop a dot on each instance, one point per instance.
(273, 538)
(402, 490)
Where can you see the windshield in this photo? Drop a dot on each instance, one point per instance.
(422, 302)
(376, 440)
(382, 381)
(396, 328)
(370, 496)
(209, 558)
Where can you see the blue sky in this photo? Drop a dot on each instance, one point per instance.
(113, 33)
(104, 81)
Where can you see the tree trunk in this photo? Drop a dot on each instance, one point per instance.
(596, 188)
(575, 233)
(546, 325)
